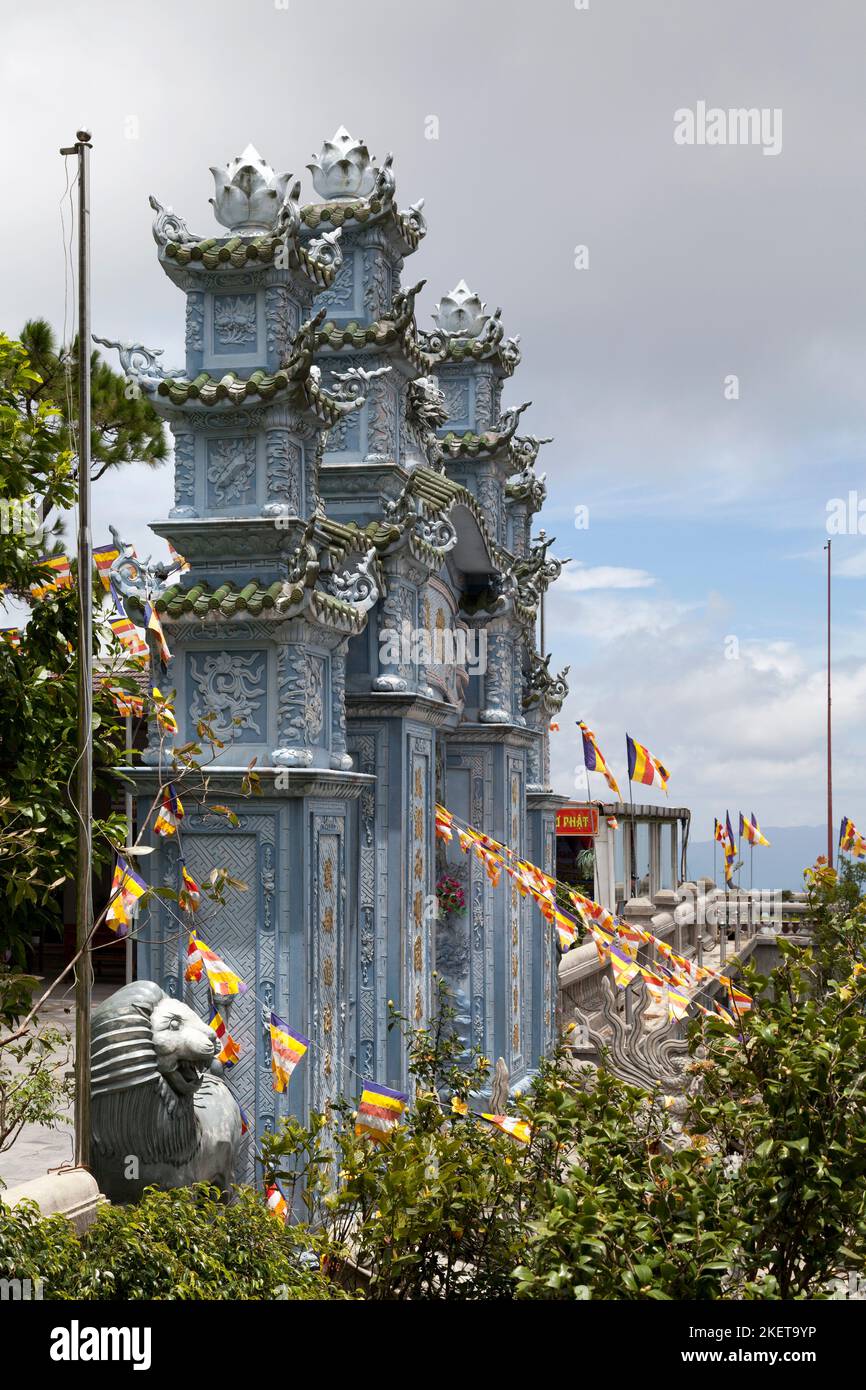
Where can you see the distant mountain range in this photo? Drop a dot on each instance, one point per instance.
(792, 849)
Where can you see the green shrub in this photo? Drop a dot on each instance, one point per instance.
(182, 1244)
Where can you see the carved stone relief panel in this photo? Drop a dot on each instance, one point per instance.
(234, 323)
(229, 689)
(282, 321)
(419, 882)
(230, 473)
(327, 1011)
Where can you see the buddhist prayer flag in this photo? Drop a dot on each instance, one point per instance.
(657, 988)
(126, 889)
(104, 558)
(593, 910)
(742, 1002)
(189, 897)
(287, 1049)
(623, 965)
(230, 1050)
(177, 559)
(566, 930)
(850, 839)
(59, 576)
(751, 831)
(592, 757)
(153, 624)
(602, 941)
(170, 813)
(221, 980)
(379, 1111)
(730, 847)
(129, 636)
(275, 1201)
(11, 636)
(165, 717)
(129, 705)
(509, 1124)
(678, 1003)
(643, 767)
(444, 822)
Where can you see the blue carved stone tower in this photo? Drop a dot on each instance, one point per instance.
(359, 617)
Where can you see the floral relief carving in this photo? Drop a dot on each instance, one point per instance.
(234, 319)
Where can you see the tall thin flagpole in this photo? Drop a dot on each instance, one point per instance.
(84, 791)
(828, 548)
(634, 873)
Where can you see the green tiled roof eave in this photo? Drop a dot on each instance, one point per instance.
(238, 253)
(360, 211)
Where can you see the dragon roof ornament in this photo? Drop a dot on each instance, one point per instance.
(543, 689)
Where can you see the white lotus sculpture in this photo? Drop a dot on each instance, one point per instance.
(343, 168)
(248, 195)
(460, 314)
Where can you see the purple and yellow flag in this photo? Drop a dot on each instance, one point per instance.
(287, 1049)
(850, 839)
(751, 831)
(643, 767)
(379, 1111)
(593, 758)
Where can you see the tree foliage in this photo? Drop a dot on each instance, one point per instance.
(125, 428)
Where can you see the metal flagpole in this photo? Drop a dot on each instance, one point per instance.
(715, 842)
(828, 547)
(84, 794)
(634, 876)
(129, 839)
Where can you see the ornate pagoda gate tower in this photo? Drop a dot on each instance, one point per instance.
(358, 616)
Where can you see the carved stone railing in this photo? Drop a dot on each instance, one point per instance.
(700, 922)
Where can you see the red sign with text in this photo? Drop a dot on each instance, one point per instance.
(577, 820)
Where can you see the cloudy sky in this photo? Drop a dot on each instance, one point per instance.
(693, 611)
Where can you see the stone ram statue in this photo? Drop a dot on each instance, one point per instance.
(159, 1118)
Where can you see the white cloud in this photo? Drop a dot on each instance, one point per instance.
(577, 577)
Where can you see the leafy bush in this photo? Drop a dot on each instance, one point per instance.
(183, 1244)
